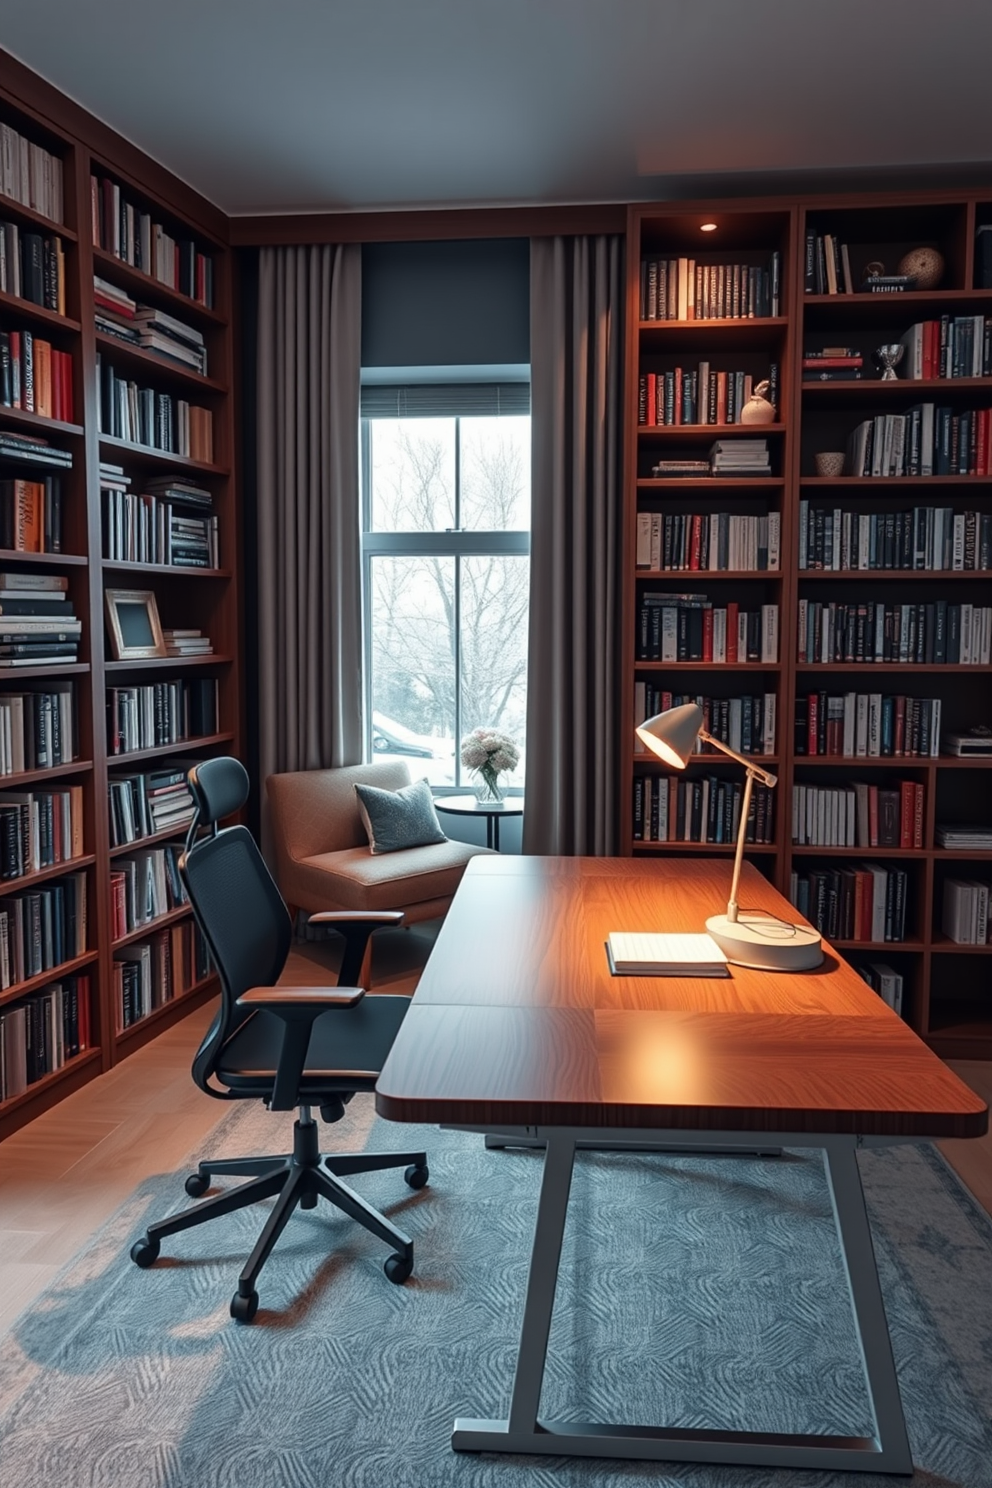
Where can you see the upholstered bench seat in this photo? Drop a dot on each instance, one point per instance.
(414, 875)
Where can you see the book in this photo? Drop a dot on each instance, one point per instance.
(665, 954)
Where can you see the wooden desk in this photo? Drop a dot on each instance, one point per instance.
(518, 1026)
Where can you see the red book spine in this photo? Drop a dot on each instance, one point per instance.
(696, 555)
(918, 798)
(812, 724)
(732, 613)
(650, 398)
(982, 447)
(707, 635)
(899, 727)
(930, 337)
(907, 809)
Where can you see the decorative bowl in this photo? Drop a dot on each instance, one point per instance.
(829, 462)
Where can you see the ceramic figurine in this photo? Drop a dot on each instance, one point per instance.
(757, 409)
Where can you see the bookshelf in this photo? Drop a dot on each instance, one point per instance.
(85, 1018)
(832, 528)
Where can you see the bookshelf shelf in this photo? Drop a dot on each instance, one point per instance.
(661, 433)
(711, 575)
(673, 845)
(57, 870)
(34, 220)
(171, 834)
(912, 574)
(150, 926)
(735, 335)
(140, 361)
(43, 978)
(707, 666)
(712, 484)
(145, 454)
(900, 483)
(145, 286)
(211, 603)
(38, 313)
(38, 424)
(902, 668)
(867, 389)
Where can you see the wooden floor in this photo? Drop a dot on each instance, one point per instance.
(65, 1173)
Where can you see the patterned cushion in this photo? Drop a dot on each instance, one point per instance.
(398, 819)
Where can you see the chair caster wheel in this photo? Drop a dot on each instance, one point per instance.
(243, 1309)
(416, 1175)
(398, 1268)
(196, 1185)
(145, 1252)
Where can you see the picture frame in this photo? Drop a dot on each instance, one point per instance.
(133, 625)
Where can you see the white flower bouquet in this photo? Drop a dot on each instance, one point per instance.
(490, 754)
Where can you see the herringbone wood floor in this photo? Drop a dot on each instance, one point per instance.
(64, 1174)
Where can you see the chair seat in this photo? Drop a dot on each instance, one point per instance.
(348, 1047)
(355, 878)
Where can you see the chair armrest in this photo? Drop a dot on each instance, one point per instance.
(357, 927)
(375, 917)
(298, 1007)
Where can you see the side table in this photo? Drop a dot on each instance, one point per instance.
(491, 810)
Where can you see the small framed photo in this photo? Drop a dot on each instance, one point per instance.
(133, 624)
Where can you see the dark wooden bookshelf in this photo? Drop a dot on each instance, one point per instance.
(86, 146)
(945, 985)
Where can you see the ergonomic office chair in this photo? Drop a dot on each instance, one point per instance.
(288, 1046)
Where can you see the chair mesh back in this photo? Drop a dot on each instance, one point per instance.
(244, 921)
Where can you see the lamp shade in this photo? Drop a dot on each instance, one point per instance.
(672, 735)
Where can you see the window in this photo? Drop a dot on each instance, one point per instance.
(445, 544)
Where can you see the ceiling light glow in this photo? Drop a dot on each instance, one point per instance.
(707, 227)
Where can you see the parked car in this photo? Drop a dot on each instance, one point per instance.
(390, 737)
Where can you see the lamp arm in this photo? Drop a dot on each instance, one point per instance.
(756, 772)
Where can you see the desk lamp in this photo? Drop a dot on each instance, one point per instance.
(752, 938)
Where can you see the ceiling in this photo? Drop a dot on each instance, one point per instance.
(311, 105)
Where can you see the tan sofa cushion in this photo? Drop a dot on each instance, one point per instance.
(355, 879)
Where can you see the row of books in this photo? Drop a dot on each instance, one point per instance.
(865, 902)
(886, 981)
(37, 730)
(925, 538)
(858, 815)
(35, 376)
(144, 888)
(38, 1035)
(30, 174)
(937, 634)
(154, 972)
(700, 396)
(925, 441)
(32, 267)
(157, 420)
(687, 289)
(159, 713)
(38, 627)
(689, 627)
(145, 529)
(705, 808)
(727, 457)
(142, 805)
(117, 314)
(965, 911)
(123, 228)
(39, 828)
(673, 541)
(953, 346)
(746, 723)
(31, 514)
(33, 449)
(827, 270)
(42, 929)
(867, 725)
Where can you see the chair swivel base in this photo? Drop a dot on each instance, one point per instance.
(297, 1178)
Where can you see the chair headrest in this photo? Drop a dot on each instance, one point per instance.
(219, 788)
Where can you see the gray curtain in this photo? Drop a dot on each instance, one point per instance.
(573, 679)
(309, 556)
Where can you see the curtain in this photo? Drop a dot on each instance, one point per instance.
(308, 532)
(573, 678)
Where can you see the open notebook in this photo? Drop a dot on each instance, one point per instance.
(637, 954)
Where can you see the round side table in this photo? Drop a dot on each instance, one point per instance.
(491, 810)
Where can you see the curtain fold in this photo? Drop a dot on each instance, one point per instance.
(573, 681)
(309, 541)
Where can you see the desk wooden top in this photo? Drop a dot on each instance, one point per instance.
(517, 1020)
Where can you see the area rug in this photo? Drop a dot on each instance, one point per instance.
(702, 1292)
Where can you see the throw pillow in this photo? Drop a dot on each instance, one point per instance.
(398, 819)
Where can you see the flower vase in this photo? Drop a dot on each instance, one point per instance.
(489, 789)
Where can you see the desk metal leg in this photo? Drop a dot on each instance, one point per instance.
(887, 1451)
(492, 832)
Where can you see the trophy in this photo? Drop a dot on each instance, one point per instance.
(888, 358)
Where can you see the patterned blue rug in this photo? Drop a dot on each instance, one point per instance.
(696, 1292)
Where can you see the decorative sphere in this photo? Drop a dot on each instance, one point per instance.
(926, 264)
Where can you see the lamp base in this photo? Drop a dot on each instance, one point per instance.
(766, 943)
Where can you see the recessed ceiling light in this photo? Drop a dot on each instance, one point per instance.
(708, 227)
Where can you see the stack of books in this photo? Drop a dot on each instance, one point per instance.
(966, 911)
(114, 311)
(142, 805)
(687, 469)
(964, 837)
(748, 457)
(973, 743)
(833, 364)
(37, 623)
(32, 267)
(31, 515)
(33, 450)
(187, 643)
(171, 338)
